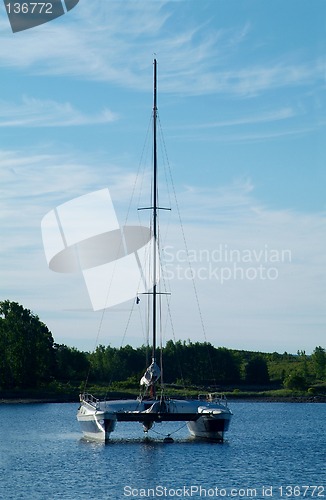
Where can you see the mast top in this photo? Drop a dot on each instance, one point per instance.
(155, 86)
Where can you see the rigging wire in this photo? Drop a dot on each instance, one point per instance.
(170, 433)
(186, 249)
(140, 164)
(169, 316)
(161, 340)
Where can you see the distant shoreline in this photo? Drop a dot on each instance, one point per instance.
(36, 400)
(245, 399)
(275, 399)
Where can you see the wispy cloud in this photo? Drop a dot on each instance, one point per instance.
(102, 41)
(268, 313)
(96, 43)
(231, 215)
(32, 112)
(32, 183)
(264, 117)
(255, 79)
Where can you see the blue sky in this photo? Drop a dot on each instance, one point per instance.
(242, 106)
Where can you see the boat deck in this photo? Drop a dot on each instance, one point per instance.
(156, 417)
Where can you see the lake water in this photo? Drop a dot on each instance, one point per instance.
(273, 450)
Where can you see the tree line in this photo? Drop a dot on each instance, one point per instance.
(30, 358)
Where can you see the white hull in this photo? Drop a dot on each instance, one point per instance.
(208, 420)
(212, 425)
(206, 417)
(95, 423)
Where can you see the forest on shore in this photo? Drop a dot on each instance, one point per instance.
(30, 360)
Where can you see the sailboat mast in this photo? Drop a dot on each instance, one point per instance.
(154, 207)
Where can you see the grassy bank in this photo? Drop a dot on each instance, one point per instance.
(57, 392)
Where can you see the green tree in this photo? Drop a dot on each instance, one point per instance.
(226, 366)
(256, 371)
(295, 381)
(200, 363)
(318, 359)
(171, 362)
(26, 347)
(71, 364)
(101, 363)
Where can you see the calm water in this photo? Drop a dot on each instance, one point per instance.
(269, 445)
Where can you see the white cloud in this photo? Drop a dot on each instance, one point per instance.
(274, 75)
(104, 42)
(32, 112)
(286, 313)
(262, 304)
(264, 117)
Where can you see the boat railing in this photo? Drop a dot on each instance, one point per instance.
(213, 397)
(89, 398)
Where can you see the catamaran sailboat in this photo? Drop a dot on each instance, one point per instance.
(206, 417)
